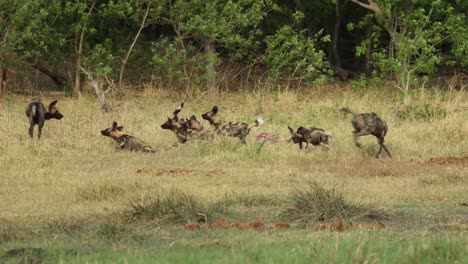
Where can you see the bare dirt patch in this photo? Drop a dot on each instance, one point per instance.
(258, 225)
(458, 161)
(172, 173)
(216, 172)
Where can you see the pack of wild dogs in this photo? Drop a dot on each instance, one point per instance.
(190, 129)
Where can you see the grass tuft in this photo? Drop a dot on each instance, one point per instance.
(317, 204)
(175, 207)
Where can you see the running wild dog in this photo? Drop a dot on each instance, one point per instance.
(196, 131)
(126, 142)
(232, 129)
(37, 114)
(177, 126)
(313, 135)
(368, 124)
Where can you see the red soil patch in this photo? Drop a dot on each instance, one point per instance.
(241, 226)
(282, 225)
(258, 225)
(337, 226)
(171, 173)
(192, 226)
(376, 225)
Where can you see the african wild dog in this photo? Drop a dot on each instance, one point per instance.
(126, 142)
(37, 114)
(232, 129)
(176, 125)
(195, 130)
(315, 136)
(368, 124)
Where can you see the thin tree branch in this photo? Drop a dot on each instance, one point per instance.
(124, 62)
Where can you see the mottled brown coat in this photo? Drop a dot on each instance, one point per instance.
(231, 129)
(315, 136)
(124, 141)
(368, 124)
(37, 114)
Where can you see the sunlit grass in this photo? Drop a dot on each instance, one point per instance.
(74, 173)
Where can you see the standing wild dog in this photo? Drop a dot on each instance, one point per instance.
(196, 131)
(231, 129)
(37, 114)
(368, 124)
(177, 126)
(315, 136)
(125, 141)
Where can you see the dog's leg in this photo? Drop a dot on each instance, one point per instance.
(358, 134)
(41, 124)
(386, 150)
(31, 130)
(382, 146)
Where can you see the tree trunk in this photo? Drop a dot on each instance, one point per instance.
(336, 56)
(58, 79)
(77, 87)
(368, 54)
(79, 57)
(210, 65)
(3, 80)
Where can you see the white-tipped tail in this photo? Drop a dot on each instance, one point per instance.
(260, 121)
(180, 106)
(33, 110)
(328, 133)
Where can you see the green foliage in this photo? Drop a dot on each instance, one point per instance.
(181, 62)
(291, 51)
(425, 112)
(418, 33)
(230, 27)
(359, 84)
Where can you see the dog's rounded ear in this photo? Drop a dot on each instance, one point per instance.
(169, 119)
(120, 128)
(51, 105)
(215, 109)
(291, 129)
(114, 124)
(193, 118)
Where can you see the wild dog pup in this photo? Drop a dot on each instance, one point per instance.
(177, 126)
(368, 124)
(231, 129)
(196, 131)
(126, 142)
(315, 136)
(37, 114)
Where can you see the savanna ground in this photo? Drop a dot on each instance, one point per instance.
(71, 198)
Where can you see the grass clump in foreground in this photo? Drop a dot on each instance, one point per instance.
(317, 204)
(174, 207)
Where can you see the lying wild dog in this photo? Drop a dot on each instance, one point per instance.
(37, 114)
(231, 129)
(126, 142)
(315, 136)
(368, 124)
(196, 131)
(177, 126)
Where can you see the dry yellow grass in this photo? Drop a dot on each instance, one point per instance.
(74, 172)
